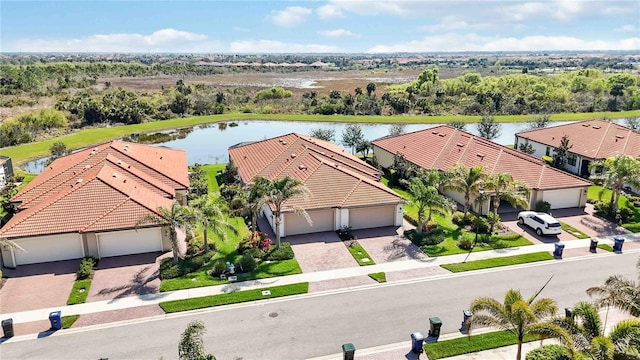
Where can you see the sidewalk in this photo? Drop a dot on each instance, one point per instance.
(574, 248)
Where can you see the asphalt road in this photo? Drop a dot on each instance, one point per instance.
(316, 325)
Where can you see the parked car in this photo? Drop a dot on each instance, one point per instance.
(543, 224)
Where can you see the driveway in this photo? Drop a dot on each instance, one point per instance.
(387, 244)
(37, 286)
(585, 221)
(121, 276)
(320, 251)
(511, 221)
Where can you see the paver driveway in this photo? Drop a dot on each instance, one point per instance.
(122, 276)
(386, 244)
(320, 251)
(585, 221)
(511, 221)
(37, 286)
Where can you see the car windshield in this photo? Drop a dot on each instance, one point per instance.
(554, 225)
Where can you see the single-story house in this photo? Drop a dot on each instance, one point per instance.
(589, 140)
(88, 204)
(343, 190)
(443, 146)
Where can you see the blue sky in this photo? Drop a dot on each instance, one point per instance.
(317, 26)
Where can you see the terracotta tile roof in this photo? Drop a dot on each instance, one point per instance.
(97, 200)
(595, 139)
(334, 177)
(443, 146)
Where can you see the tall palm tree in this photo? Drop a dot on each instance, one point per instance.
(588, 334)
(467, 181)
(256, 199)
(617, 172)
(278, 192)
(618, 292)
(519, 317)
(209, 212)
(174, 217)
(425, 196)
(505, 188)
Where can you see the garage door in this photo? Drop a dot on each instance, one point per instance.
(130, 242)
(322, 220)
(565, 198)
(372, 217)
(49, 248)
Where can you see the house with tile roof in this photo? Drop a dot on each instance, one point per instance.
(88, 204)
(589, 140)
(443, 146)
(343, 190)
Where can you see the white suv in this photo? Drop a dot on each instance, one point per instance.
(543, 224)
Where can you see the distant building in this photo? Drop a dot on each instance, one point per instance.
(6, 170)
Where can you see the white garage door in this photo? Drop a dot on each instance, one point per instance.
(49, 248)
(565, 198)
(322, 220)
(372, 217)
(130, 242)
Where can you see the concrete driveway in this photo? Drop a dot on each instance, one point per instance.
(37, 286)
(121, 276)
(320, 251)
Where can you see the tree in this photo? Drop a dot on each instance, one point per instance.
(488, 127)
(561, 153)
(526, 147)
(364, 147)
(518, 316)
(256, 199)
(467, 181)
(352, 136)
(174, 218)
(539, 122)
(371, 88)
(191, 345)
(358, 91)
(505, 188)
(618, 292)
(458, 124)
(209, 213)
(57, 149)
(327, 134)
(425, 196)
(617, 172)
(197, 182)
(278, 192)
(397, 129)
(632, 123)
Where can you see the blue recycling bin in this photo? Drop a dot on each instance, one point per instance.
(416, 342)
(55, 317)
(617, 244)
(559, 248)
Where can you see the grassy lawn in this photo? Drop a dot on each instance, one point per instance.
(86, 137)
(605, 247)
(67, 321)
(359, 253)
(496, 262)
(593, 193)
(573, 231)
(212, 171)
(79, 292)
(234, 297)
(473, 343)
(379, 277)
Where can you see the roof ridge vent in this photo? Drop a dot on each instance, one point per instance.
(460, 145)
(293, 155)
(302, 167)
(115, 175)
(79, 181)
(442, 134)
(585, 125)
(434, 132)
(620, 136)
(596, 126)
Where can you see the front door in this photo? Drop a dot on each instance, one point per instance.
(584, 170)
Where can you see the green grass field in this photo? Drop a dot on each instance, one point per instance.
(379, 277)
(359, 253)
(69, 320)
(473, 343)
(212, 171)
(573, 231)
(496, 262)
(79, 292)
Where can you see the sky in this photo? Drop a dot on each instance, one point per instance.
(317, 26)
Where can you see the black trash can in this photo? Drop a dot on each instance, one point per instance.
(568, 313)
(434, 326)
(348, 351)
(617, 244)
(56, 320)
(7, 328)
(559, 247)
(416, 342)
(466, 315)
(593, 246)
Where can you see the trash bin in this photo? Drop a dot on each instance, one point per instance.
(434, 326)
(466, 314)
(348, 351)
(593, 246)
(416, 342)
(56, 320)
(557, 253)
(617, 244)
(568, 313)
(7, 327)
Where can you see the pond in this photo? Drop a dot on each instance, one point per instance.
(208, 144)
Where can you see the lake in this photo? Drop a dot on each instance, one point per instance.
(208, 144)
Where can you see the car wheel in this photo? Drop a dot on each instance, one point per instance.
(539, 232)
(520, 221)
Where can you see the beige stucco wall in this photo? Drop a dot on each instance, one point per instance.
(90, 242)
(384, 158)
(8, 260)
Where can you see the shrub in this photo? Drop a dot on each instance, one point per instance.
(435, 237)
(245, 245)
(480, 225)
(185, 266)
(284, 252)
(256, 253)
(86, 268)
(247, 263)
(465, 244)
(458, 218)
(549, 352)
(543, 206)
(625, 215)
(219, 267)
(633, 227)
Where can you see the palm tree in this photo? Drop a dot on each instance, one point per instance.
(174, 217)
(618, 292)
(256, 199)
(210, 214)
(425, 196)
(617, 172)
(467, 181)
(191, 344)
(519, 317)
(278, 192)
(505, 188)
(588, 333)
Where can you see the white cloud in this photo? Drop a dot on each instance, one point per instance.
(375, 7)
(338, 33)
(240, 29)
(455, 23)
(291, 16)
(329, 11)
(625, 28)
(559, 10)
(474, 42)
(271, 46)
(164, 40)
